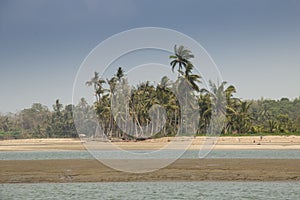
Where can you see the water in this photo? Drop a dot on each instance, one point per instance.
(46, 155)
(152, 190)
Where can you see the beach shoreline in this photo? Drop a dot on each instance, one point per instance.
(234, 143)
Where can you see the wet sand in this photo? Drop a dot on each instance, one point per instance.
(25, 171)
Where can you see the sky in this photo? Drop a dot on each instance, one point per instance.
(255, 44)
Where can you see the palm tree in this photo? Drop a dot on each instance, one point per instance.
(102, 104)
(241, 117)
(222, 101)
(181, 58)
(192, 79)
(205, 111)
(186, 81)
(97, 82)
(120, 73)
(94, 80)
(168, 100)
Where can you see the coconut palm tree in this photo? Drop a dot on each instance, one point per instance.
(97, 82)
(204, 102)
(181, 58)
(120, 73)
(241, 118)
(222, 101)
(168, 100)
(192, 79)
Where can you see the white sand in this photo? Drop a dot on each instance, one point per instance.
(245, 142)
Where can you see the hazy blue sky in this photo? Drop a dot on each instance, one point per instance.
(255, 43)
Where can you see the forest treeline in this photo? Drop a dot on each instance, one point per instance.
(124, 112)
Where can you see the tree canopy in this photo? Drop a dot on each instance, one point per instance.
(116, 103)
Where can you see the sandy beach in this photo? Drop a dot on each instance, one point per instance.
(245, 142)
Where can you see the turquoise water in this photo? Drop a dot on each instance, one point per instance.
(152, 190)
(46, 155)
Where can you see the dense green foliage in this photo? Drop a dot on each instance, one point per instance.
(112, 109)
(38, 122)
(242, 117)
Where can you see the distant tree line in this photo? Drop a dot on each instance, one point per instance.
(115, 103)
(39, 122)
